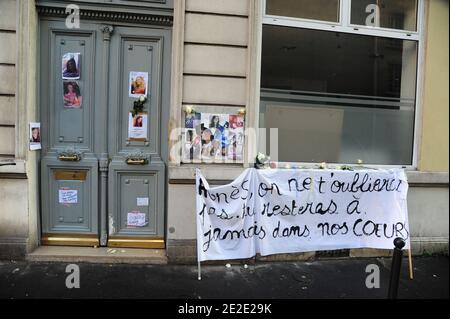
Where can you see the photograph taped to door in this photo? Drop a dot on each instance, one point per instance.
(71, 66)
(137, 126)
(72, 95)
(138, 84)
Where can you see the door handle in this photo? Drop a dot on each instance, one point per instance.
(70, 155)
(136, 161)
(71, 158)
(136, 158)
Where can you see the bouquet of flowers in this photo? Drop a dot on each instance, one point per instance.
(138, 105)
(261, 160)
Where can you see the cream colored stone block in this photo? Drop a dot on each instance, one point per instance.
(7, 110)
(216, 60)
(7, 79)
(8, 14)
(428, 209)
(13, 203)
(181, 212)
(204, 28)
(214, 90)
(238, 7)
(8, 51)
(7, 141)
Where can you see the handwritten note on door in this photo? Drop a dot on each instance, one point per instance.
(68, 196)
(136, 219)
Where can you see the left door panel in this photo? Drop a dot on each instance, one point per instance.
(69, 160)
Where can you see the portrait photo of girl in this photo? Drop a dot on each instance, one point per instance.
(137, 125)
(138, 84)
(236, 121)
(71, 66)
(35, 136)
(138, 121)
(72, 95)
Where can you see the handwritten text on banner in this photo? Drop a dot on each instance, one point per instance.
(286, 211)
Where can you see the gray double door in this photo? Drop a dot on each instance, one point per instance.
(103, 170)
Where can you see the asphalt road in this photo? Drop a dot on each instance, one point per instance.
(335, 278)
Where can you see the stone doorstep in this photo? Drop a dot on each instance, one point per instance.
(108, 255)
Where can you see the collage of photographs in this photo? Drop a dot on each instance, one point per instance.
(213, 137)
(71, 74)
(138, 121)
(73, 97)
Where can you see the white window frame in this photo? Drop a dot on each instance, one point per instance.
(344, 25)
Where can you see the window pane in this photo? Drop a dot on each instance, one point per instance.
(338, 97)
(393, 14)
(325, 10)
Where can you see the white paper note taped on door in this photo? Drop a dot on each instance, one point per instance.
(142, 201)
(136, 219)
(68, 196)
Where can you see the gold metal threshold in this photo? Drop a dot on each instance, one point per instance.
(136, 242)
(70, 240)
(93, 241)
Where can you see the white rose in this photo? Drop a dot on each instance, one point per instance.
(188, 109)
(261, 157)
(141, 98)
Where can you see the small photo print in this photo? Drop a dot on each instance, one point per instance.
(192, 120)
(189, 136)
(35, 136)
(236, 121)
(72, 95)
(235, 151)
(219, 126)
(71, 66)
(137, 125)
(236, 144)
(192, 146)
(138, 84)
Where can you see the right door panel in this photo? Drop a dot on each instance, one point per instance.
(137, 152)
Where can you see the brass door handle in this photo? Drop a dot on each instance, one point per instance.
(136, 161)
(71, 158)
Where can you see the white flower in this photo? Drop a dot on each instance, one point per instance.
(323, 165)
(142, 98)
(262, 157)
(359, 161)
(188, 109)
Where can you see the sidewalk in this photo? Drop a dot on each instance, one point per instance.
(338, 278)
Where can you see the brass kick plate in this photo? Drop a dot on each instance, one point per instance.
(136, 242)
(71, 175)
(70, 240)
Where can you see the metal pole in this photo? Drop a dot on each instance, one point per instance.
(399, 243)
(199, 270)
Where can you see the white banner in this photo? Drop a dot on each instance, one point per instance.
(289, 210)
